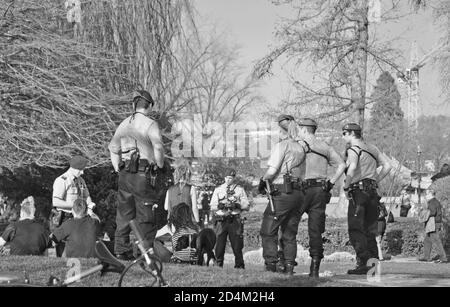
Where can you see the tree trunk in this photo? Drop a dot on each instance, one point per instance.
(359, 73)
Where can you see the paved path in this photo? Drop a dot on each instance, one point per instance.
(398, 280)
(403, 272)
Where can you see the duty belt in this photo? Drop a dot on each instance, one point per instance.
(296, 185)
(143, 165)
(226, 218)
(313, 183)
(364, 185)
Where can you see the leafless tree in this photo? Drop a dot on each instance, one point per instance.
(442, 13)
(332, 39)
(52, 96)
(220, 89)
(64, 91)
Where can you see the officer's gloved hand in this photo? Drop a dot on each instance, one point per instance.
(262, 187)
(329, 186)
(93, 215)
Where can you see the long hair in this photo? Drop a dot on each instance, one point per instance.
(182, 173)
(181, 216)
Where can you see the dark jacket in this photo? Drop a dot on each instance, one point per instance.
(26, 237)
(435, 210)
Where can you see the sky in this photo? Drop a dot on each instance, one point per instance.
(251, 25)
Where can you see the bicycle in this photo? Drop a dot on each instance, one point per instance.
(147, 261)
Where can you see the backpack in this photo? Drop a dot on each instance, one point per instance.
(424, 215)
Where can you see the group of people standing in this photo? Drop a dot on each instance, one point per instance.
(298, 173)
(302, 171)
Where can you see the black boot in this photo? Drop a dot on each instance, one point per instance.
(361, 268)
(281, 267)
(314, 268)
(271, 267)
(290, 269)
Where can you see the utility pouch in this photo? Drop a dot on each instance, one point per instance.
(133, 167)
(287, 183)
(121, 165)
(151, 173)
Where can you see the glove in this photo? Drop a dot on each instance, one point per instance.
(91, 206)
(262, 187)
(93, 215)
(221, 206)
(328, 186)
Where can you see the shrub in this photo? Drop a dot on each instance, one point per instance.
(403, 238)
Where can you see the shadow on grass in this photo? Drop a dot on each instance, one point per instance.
(294, 281)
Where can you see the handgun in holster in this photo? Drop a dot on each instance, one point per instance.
(352, 198)
(121, 165)
(287, 181)
(133, 167)
(218, 219)
(151, 172)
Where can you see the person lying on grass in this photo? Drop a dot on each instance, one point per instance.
(79, 233)
(26, 237)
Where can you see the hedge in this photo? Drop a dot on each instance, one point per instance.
(403, 238)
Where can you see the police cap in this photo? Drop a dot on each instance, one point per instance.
(78, 162)
(144, 95)
(351, 127)
(285, 117)
(230, 173)
(308, 122)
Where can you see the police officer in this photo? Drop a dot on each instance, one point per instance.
(137, 154)
(227, 202)
(285, 169)
(317, 186)
(360, 187)
(67, 188)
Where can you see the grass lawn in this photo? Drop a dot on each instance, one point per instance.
(39, 270)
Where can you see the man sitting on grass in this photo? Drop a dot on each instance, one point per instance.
(79, 233)
(27, 236)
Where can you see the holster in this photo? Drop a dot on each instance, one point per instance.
(133, 165)
(151, 173)
(365, 185)
(324, 186)
(217, 219)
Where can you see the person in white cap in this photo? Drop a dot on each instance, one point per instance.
(67, 188)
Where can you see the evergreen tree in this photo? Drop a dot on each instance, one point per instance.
(386, 98)
(387, 129)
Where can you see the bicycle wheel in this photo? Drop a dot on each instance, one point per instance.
(138, 274)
